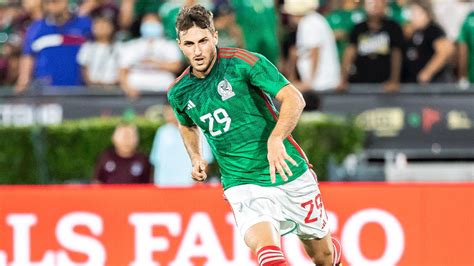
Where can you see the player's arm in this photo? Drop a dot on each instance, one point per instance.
(292, 104)
(192, 141)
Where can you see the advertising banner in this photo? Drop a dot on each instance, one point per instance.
(377, 224)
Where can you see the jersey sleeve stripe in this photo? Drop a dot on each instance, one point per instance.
(240, 53)
(178, 78)
(238, 56)
(248, 54)
(290, 138)
(250, 61)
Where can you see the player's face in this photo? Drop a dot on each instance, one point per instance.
(199, 47)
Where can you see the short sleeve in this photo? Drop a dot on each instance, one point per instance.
(127, 54)
(30, 36)
(436, 33)
(98, 169)
(84, 54)
(462, 38)
(181, 115)
(309, 32)
(183, 118)
(396, 35)
(266, 76)
(354, 35)
(463, 32)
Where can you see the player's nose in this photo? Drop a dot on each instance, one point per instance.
(197, 50)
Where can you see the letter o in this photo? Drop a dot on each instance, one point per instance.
(394, 234)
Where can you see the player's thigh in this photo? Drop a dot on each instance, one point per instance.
(319, 249)
(260, 235)
(303, 205)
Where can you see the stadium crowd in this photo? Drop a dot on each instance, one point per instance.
(319, 45)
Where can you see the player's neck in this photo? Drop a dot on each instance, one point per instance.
(203, 74)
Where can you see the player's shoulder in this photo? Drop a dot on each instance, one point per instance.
(180, 81)
(239, 56)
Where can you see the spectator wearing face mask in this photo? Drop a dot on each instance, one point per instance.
(151, 62)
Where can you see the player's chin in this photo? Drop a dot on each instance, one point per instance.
(201, 66)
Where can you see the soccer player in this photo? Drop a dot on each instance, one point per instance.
(266, 178)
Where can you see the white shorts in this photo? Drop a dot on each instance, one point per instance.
(294, 207)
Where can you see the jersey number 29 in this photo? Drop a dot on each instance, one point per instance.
(219, 115)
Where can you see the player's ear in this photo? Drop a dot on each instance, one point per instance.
(216, 37)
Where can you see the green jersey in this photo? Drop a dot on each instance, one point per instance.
(466, 36)
(259, 14)
(344, 20)
(398, 13)
(232, 106)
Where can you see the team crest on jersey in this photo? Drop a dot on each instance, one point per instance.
(225, 89)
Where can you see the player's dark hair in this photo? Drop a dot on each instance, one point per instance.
(196, 15)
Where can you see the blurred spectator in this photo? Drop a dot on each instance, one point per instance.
(99, 58)
(169, 13)
(397, 11)
(466, 50)
(30, 11)
(427, 50)
(150, 62)
(317, 62)
(132, 11)
(51, 46)
(122, 164)
(9, 61)
(451, 14)
(9, 45)
(230, 34)
(169, 157)
(100, 8)
(374, 54)
(258, 21)
(342, 19)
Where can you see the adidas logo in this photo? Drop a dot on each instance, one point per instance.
(191, 105)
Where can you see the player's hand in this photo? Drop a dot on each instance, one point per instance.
(199, 170)
(277, 158)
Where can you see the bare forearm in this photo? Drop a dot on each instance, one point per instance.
(126, 13)
(85, 76)
(436, 63)
(192, 141)
(463, 60)
(347, 61)
(444, 48)
(314, 63)
(25, 70)
(396, 65)
(292, 105)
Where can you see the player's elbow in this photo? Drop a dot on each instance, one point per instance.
(301, 103)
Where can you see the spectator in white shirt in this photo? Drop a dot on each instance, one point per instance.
(317, 59)
(151, 62)
(99, 58)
